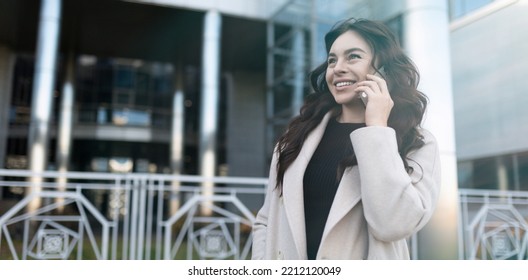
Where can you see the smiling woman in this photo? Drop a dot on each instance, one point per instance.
(348, 179)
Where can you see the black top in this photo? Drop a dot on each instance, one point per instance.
(321, 182)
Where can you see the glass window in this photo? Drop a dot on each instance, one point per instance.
(124, 91)
(472, 5)
(123, 98)
(456, 8)
(485, 174)
(505, 173)
(459, 8)
(465, 174)
(124, 77)
(522, 161)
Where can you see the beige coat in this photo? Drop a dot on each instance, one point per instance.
(376, 207)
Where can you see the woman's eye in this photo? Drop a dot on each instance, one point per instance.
(353, 56)
(331, 61)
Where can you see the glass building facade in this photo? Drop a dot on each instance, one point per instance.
(139, 77)
(487, 46)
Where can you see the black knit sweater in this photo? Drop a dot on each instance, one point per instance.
(321, 182)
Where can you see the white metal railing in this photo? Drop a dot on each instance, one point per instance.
(493, 224)
(77, 215)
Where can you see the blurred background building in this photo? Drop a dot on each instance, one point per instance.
(205, 87)
(489, 85)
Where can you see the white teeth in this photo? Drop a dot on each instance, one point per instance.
(342, 84)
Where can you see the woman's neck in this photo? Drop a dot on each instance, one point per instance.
(352, 113)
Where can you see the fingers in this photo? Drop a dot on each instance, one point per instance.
(380, 81)
(376, 83)
(370, 87)
(380, 102)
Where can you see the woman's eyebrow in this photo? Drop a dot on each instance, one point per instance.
(355, 50)
(349, 51)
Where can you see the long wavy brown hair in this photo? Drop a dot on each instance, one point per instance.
(402, 79)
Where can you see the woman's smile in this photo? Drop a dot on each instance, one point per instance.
(343, 84)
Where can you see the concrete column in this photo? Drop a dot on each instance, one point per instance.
(502, 175)
(270, 98)
(64, 135)
(7, 64)
(210, 94)
(426, 39)
(43, 83)
(177, 132)
(299, 64)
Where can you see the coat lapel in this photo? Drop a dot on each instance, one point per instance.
(293, 193)
(347, 196)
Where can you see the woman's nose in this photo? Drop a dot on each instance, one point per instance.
(340, 67)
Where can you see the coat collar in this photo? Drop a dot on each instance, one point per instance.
(347, 195)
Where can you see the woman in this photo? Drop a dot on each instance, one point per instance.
(351, 179)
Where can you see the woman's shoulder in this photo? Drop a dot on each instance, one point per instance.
(427, 136)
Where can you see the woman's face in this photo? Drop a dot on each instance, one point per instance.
(348, 63)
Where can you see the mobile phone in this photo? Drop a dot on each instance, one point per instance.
(364, 97)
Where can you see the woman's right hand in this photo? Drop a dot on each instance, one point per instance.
(379, 103)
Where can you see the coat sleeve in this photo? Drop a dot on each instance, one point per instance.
(396, 204)
(260, 226)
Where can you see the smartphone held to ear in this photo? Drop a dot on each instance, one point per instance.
(363, 95)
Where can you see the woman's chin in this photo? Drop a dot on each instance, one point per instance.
(348, 100)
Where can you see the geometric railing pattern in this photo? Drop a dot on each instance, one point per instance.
(493, 225)
(48, 236)
(154, 216)
(219, 236)
(126, 216)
